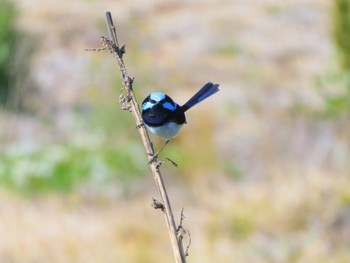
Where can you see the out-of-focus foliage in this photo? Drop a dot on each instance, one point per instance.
(63, 167)
(94, 153)
(8, 38)
(16, 49)
(339, 103)
(341, 31)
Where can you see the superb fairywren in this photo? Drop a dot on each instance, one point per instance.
(164, 117)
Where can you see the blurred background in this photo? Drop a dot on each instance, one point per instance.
(264, 171)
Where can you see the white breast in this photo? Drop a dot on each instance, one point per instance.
(167, 131)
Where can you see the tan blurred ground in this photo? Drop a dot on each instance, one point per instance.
(264, 180)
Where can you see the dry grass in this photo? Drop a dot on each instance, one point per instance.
(69, 229)
(279, 220)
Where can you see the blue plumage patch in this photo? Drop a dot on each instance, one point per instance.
(170, 106)
(147, 105)
(157, 96)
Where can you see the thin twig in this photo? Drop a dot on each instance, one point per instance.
(111, 28)
(129, 102)
(189, 242)
(181, 232)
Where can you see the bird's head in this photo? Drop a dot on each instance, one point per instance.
(158, 100)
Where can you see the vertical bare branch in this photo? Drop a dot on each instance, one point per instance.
(130, 99)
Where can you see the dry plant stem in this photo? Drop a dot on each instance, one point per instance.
(118, 51)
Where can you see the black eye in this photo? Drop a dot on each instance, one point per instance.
(153, 102)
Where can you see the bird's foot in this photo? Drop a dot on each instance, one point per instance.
(153, 158)
(155, 155)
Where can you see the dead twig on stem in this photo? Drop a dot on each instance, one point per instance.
(181, 232)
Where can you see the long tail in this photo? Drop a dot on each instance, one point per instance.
(205, 92)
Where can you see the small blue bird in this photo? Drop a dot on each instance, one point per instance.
(164, 117)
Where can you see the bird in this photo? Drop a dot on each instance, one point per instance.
(164, 117)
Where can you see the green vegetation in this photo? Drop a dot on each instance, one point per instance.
(8, 39)
(338, 98)
(228, 50)
(63, 167)
(341, 31)
(97, 149)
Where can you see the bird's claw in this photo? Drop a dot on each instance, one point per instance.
(153, 158)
